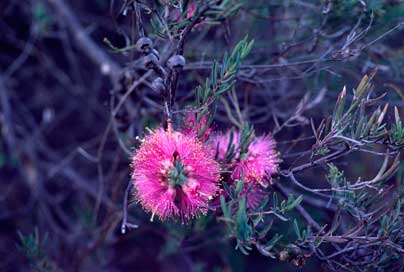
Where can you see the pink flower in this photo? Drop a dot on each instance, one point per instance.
(193, 127)
(190, 12)
(258, 164)
(174, 175)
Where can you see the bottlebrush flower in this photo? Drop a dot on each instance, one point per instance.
(174, 175)
(257, 165)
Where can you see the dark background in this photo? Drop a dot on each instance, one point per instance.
(56, 148)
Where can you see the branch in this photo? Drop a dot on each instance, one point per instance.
(125, 223)
(9, 135)
(106, 65)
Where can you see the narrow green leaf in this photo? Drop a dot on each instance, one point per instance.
(296, 228)
(273, 241)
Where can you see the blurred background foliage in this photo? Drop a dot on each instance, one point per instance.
(64, 163)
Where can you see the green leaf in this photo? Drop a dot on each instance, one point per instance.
(275, 201)
(273, 241)
(262, 204)
(281, 217)
(223, 205)
(296, 228)
(243, 229)
(240, 184)
(294, 203)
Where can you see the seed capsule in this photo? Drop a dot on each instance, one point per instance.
(158, 85)
(144, 45)
(176, 61)
(150, 60)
